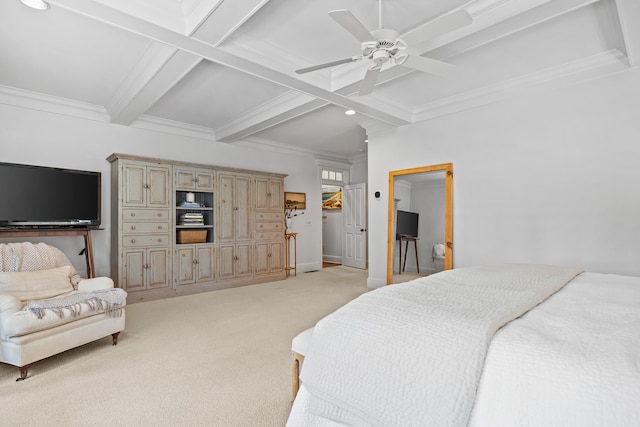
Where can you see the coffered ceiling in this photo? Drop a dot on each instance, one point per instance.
(224, 70)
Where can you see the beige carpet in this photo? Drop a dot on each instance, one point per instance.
(219, 358)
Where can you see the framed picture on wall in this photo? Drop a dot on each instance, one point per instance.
(295, 200)
(331, 197)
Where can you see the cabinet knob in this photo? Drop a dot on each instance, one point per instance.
(159, 227)
(269, 194)
(235, 258)
(133, 240)
(133, 214)
(159, 214)
(133, 227)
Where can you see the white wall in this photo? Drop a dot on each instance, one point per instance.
(550, 177)
(39, 138)
(427, 198)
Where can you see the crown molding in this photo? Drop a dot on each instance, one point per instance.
(52, 104)
(157, 124)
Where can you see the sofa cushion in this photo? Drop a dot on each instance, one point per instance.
(34, 285)
(25, 322)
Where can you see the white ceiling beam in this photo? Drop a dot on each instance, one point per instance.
(162, 66)
(215, 28)
(159, 69)
(196, 47)
(629, 15)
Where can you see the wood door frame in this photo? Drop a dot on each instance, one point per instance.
(448, 212)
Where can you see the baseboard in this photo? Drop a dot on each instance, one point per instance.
(309, 266)
(336, 259)
(374, 283)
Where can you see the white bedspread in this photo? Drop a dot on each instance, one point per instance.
(573, 361)
(412, 354)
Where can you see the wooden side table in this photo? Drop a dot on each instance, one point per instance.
(289, 267)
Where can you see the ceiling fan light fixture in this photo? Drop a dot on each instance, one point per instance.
(36, 4)
(350, 112)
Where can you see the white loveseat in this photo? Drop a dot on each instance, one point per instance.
(47, 308)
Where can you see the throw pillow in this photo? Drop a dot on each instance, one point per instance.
(39, 284)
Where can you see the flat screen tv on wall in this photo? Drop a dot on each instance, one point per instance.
(39, 196)
(406, 224)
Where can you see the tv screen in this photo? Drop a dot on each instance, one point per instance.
(49, 197)
(406, 224)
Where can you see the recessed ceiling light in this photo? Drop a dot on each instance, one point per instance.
(349, 112)
(36, 4)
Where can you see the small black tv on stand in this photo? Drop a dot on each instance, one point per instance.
(406, 224)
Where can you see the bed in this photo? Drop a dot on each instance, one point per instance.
(507, 345)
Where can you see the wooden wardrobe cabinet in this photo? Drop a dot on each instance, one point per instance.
(240, 213)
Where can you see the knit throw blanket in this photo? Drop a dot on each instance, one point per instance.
(111, 301)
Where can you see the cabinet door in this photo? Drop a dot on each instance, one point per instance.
(227, 261)
(185, 179)
(133, 270)
(205, 266)
(276, 257)
(269, 194)
(262, 258)
(242, 203)
(244, 260)
(185, 265)
(263, 202)
(158, 271)
(226, 223)
(194, 179)
(204, 180)
(158, 186)
(133, 185)
(276, 197)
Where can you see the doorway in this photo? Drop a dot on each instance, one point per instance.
(438, 250)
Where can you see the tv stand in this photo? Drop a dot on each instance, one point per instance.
(58, 232)
(407, 239)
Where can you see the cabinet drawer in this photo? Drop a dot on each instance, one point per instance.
(274, 235)
(145, 214)
(145, 227)
(134, 241)
(270, 217)
(269, 226)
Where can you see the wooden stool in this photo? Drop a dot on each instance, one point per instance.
(299, 347)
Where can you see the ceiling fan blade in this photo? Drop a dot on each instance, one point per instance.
(369, 81)
(437, 26)
(427, 65)
(327, 65)
(351, 24)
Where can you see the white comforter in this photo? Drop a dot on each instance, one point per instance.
(572, 361)
(412, 354)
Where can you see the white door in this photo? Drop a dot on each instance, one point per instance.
(354, 218)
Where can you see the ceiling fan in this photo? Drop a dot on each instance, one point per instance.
(387, 45)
